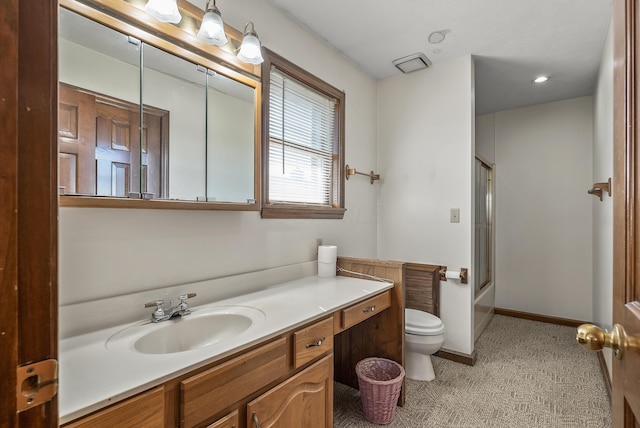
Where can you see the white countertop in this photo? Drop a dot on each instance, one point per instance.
(92, 376)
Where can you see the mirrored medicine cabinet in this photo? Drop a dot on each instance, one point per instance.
(149, 118)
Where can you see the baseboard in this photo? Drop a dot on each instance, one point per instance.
(457, 357)
(605, 373)
(537, 317)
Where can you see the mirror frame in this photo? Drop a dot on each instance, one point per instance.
(131, 19)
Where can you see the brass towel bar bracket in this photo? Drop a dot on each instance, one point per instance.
(352, 171)
(599, 188)
(464, 274)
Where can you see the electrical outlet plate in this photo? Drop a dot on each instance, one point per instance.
(454, 215)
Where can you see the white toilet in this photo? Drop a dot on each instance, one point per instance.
(423, 336)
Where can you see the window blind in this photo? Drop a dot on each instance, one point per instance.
(302, 144)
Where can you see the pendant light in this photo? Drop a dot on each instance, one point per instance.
(250, 49)
(212, 28)
(164, 10)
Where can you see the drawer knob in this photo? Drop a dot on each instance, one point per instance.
(318, 343)
(369, 309)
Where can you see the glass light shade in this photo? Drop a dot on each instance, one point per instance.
(250, 50)
(212, 29)
(164, 10)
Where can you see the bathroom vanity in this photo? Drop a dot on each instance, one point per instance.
(281, 371)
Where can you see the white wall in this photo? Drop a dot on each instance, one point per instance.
(543, 211)
(486, 137)
(425, 158)
(109, 252)
(603, 211)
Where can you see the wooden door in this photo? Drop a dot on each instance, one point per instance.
(626, 182)
(117, 150)
(76, 132)
(305, 400)
(28, 207)
(101, 151)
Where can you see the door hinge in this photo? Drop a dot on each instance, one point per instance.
(36, 383)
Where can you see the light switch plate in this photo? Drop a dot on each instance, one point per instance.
(454, 215)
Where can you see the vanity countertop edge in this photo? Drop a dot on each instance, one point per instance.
(92, 377)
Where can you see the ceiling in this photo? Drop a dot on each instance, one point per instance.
(512, 41)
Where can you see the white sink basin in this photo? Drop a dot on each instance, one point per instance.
(203, 327)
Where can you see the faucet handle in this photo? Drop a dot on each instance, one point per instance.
(184, 297)
(156, 303)
(158, 314)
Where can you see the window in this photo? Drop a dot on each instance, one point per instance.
(303, 143)
(484, 222)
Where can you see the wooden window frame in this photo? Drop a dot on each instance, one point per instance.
(297, 210)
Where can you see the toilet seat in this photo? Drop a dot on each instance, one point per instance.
(422, 323)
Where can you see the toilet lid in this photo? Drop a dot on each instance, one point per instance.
(422, 323)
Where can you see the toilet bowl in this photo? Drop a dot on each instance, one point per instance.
(424, 335)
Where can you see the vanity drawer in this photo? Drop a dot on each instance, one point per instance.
(363, 310)
(210, 392)
(142, 411)
(312, 341)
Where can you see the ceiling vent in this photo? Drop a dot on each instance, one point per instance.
(411, 63)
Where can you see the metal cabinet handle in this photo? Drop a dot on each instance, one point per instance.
(369, 309)
(254, 418)
(318, 343)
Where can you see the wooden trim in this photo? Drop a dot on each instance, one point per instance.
(294, 211)
(605, 373)
(109, 202)
(623, 181)
(8, 212)
(302, 212)
(457, 357)
(34, 117)
(537, 317)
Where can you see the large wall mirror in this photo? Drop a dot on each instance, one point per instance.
(143, 126)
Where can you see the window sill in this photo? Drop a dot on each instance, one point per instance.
(302, 212)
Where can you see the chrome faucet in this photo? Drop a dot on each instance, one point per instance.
(162, 314)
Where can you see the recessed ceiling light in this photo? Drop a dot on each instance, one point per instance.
(540, 79)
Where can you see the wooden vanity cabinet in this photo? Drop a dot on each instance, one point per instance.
(286, 381)
(304, 400)
(232, 420)
(233, 383)
(212, 391)
(145, 410)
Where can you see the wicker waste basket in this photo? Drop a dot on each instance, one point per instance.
(380, 381)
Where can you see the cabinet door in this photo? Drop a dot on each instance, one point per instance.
(304, 400)
(229, 421)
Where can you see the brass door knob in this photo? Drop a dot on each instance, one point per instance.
(594, 338)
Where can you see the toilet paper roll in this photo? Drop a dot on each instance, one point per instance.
(327, 253)
(326, 270)
(453, 274)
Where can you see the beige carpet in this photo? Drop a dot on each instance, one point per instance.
(528, 374)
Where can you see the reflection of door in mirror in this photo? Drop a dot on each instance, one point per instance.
(100, 150)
